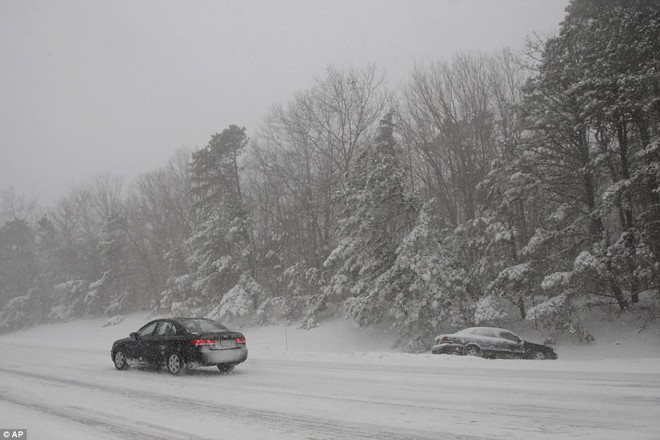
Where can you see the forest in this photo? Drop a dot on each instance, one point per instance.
(487, 188)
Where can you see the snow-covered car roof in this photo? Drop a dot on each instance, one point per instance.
(473, 330)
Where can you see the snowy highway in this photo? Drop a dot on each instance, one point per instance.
(69, 389)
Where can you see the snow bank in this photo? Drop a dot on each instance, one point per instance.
(345, 340)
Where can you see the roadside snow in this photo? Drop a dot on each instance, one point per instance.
(337, 381)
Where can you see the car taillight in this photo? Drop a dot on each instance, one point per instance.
(240, 340)
(445, 340)
(198, 342)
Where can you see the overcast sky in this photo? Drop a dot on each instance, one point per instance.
(91, 87)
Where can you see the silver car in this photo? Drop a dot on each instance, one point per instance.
(490, 342)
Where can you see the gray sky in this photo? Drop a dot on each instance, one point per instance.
(90, 87)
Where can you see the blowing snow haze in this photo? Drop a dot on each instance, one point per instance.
(96, 87)
(415, 232)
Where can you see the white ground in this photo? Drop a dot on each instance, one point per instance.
(333, 382)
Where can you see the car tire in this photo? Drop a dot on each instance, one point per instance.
(120, 361)
(472, 350)
(175, 364)
(226, 368)
(539, 356)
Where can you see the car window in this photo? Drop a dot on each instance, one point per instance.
(509, 336)
(148, 329)
(166, 329)
(487, 332)
(202, 325)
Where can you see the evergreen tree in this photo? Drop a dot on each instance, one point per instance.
(425, 288)
(219, 248)
(377, 211)
(591, 110)
(618, 89)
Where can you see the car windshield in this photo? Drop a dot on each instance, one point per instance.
(202, 325)
(148, 329)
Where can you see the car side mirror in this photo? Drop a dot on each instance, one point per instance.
(134, 335)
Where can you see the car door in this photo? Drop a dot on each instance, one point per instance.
(164, 340)
(143, 346)
(487, 340)
(510, 343)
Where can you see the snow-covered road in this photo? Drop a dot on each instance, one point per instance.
(59, 389)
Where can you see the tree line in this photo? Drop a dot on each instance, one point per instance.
(487, 187)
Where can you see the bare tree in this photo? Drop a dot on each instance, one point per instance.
(449, 117)
(304, 153)
(159, 216)
(14, 206)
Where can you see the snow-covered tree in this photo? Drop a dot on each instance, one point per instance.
(618, 92)
(376, 214)
(220, 248)
(425, 288)
(302, 156)
(592, 113)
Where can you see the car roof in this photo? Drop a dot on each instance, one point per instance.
(479, 329)
(187, 318)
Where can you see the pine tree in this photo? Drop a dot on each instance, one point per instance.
(592, 113)
(377, 211)
(220, 248)
(425, 289)
(618, 89)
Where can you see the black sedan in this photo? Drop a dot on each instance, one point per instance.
(490, 342)
(180, 344)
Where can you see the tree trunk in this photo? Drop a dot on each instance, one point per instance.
(629, 222)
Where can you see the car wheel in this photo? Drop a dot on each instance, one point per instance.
(472, 350)
(120, 360)
(539, 355)
(175, 364)
(226, 368)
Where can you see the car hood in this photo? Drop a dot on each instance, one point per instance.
(119, 341)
